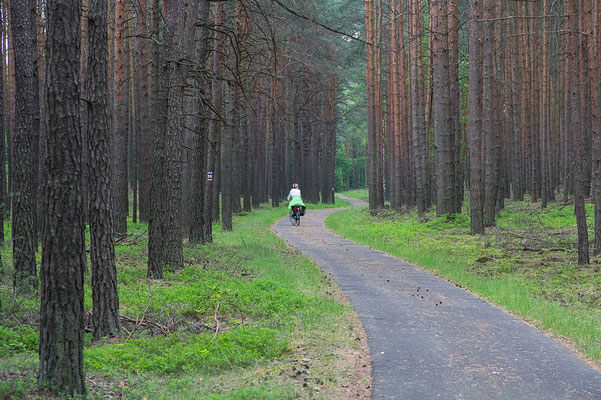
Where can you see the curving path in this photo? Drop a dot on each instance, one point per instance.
(431, 340)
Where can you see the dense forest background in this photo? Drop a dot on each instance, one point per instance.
(180, 114)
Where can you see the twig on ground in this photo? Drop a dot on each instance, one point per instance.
(136, 238)
(216, 321)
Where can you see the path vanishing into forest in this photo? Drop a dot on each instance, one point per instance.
(429, 339)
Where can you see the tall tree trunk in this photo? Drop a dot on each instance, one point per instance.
(214, 129)
(3, 196)
(63, 254)
(227, 148)
(475, 118)
(417, 110)
(371, 106)
(200, 15)
(594, 46)
(454, 111)
(25, 150)
(576, 128)
(105, 300)
(165, 239)
(443, 131)
(489, 126)
(120, 123)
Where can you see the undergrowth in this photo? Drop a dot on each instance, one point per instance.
(232, 324)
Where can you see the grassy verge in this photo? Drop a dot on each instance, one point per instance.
(527, 263)
(362, 194)
(246, 318)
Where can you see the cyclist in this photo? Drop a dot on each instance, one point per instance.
(295, 197)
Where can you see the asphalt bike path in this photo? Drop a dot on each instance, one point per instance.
(429, 339)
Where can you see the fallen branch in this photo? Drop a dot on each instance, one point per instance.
(138, 323)
(541, 250)
(136, 237)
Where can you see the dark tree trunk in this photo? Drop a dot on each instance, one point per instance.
(227, 147)
(120, 124)
(454, 112)
(157, 220)
(418, 128)
(25, 147)
(105, 301)
(63, 255)
(199, 51)
(443, 130)
(475, 121)
(576, 128)
(489, 117)
(165, 226)
(143, 102)
(3, 197)
(214, 131)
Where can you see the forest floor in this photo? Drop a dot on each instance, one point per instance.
(526, 264)
(246, 318)
(428, 337)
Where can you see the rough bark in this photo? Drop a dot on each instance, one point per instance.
(120, 123)
(214, 129)
(576, 128)
(105, 301)
(25, 146)
(489, 117)
(443, 134)
(63, 254)
(474, 118)
(198, 14)
(418, 121)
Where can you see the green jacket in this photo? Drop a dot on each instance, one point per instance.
(295, 201)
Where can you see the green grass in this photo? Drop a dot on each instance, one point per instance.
(362, 194)
(527, 263)
(237, 320)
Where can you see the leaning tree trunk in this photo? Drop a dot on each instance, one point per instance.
(25, 147)
(105, 300)
(63, 254)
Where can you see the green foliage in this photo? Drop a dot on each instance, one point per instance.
(14, 389)
(178, 353)
(18, 340)
(263, 299)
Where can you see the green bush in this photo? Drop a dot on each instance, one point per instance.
(178, 353)
(18, 340)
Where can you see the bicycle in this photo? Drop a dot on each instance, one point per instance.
(296, 215)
